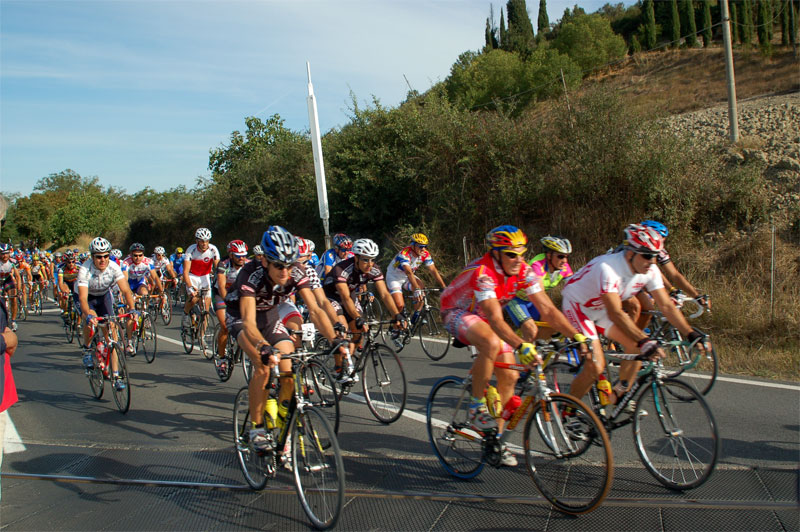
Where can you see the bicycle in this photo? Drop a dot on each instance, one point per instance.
(380, 371)
(165, 305)
(674, 430)
(101, 357)
(233, 355)
(567, 450)
(36, 299)
(71, 321)
(433, 337)
(305, 443)
(201, 332)
(679, 359)
(372, 310)
(144, 328)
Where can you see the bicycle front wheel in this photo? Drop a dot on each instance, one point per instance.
(676, 438)
(37, 303)
(318, 468)
(96, 382)
(433, 336)
(458, 447)
(255, 467)
(568, 454)
(69, 329)
(247, 365)
(166, 309)
(319, 389)
(384, 383)
(149, 339)
(187, 339)
(205, 335)
(700, 367)
(122, 394)
(22, 313)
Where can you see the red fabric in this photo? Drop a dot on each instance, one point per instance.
(9, 389)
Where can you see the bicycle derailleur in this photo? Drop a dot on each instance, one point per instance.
(492, 450)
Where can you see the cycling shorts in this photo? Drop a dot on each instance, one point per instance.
(340, 311)
(199, 282)
(268, 323)
(589, 322)
(458, 321)
(397, 281)
(521, 310)
(9, 284)
(136, 284)
(288, 311)
(217, 301)
(101, 305)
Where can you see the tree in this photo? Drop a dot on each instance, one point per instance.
(543, 22)
(689, 23)
(747, 22)
(520, 29)
(763, 22)
(503, 32)
(649, 25)
(735, 23)
(675, 37)
(785, 15)
(589, 41)
(491, 32)
(706, 31)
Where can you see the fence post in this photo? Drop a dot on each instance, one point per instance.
(772, 280)
(464, 241)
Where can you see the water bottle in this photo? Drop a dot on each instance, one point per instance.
(604, 390)
(272, 413)
(493, 402)
(101, 354)
(511, 407)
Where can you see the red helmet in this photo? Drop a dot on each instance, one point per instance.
(303, 248)
(642, 239)
(237, 247)
(342, 241)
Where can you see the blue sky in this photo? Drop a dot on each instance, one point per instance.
(137, 92)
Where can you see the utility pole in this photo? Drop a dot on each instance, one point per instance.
(733, 118)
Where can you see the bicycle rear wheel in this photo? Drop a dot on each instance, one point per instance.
(318, 468)
(433, 336)
(374, 311)
(205, 334)
(256, 468)
(148, 338)
(676, 439)
(319, 389)
(22, 313)
(568, 454)
(384, 383)
(457, 446)
(187, 339)
(166, 309)
(69, 328)
(121, 397)
(95, 375)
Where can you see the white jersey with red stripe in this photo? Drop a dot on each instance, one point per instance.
(137, 272)
(201, 261)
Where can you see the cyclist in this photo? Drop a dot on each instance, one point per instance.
(55, 265)
(339, 252)
(9, 280)
(200, 259)
(140, 273)
(257, 252)
(93, 297)
(592, 301)
(254, 319)
(164, 270)
(224, 277)
(177, 260)
(472, 311)
(313, 258)
(551, 267)
(38, 273)
(401, 275)
(67, 275)
(346, 280)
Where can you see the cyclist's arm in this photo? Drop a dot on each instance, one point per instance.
(325, 304)
(551, 314)
(493, 311)
(61, 284)
(247, 307)
(83, 297)
(317, 315)
(187, 265)
(677, 279)
(125, 290)
(620, 318)
(156, 280)
(411, 277)
(673, 315)
(347, 302)
(435, 272)
(386, 297)
(221, 280)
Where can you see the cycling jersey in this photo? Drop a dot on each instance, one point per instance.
(330, 258)
(99, 282)
(348, 273)
(253, 281)
(6, 270)
(201, 261)
(177, 263)
(407, 256)
(69, 275)
(230, 270)
(161, 265)
(541, 268)
(138, 273)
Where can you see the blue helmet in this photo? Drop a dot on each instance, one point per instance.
(5, 248)
(279, 245)
(658, 226)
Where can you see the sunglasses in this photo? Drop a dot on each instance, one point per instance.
(562, 256)
(513, 255)
(101, 256)
(648, 256)
(423, 246)
(279, 266)
(137, 255)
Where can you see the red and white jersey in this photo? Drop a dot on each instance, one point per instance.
(485, 279)
(609, 274)
(137, 272)
(201, 261)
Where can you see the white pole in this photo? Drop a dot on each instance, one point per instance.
(772, 279)
(466, 260)
(319, 166)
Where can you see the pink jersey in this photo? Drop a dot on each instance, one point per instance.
(202, 261)
(484, 279)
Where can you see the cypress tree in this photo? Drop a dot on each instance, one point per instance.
(747, 22)
(792, 23)
(520, 29)
(689, 24)
(736, 37)
(649, 24)
(785, 23)
(503, 32)
(706, 32)
(762, 22)
(543, 22)
(675, 21)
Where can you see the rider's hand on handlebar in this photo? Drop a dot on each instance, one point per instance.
(527, 354)
(418, 294)
(650, 349)
(400, 320)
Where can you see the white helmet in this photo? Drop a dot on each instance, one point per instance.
(203, 234)
(159, 250)
(311, 245)
(116, 253)
(100, 245)
(366, 248)
(257, 250)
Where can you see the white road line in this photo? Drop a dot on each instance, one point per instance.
(744, 381)
(12, 443)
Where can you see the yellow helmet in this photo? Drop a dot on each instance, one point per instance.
(506, 236)
(419, 238)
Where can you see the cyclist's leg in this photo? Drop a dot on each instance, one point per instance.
(418, 304)
(222, 337)
(628, 368)
(591, 369)
(290, 317)
(257, 393)
(506, 379)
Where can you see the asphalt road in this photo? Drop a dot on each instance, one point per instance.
(179, 430)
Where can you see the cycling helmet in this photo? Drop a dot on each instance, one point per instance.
(556, 243)
(100, 245)
(658, 226)
(257, 250)
(302, 247)
(116, 253)
(159, 250)
(203, 234)
(57, 255)
(68, 254)
(506, 236)
(641, 239)
(35, 258)
(237, 247)
(419, 238)
(342, 242)
(311, 245)
(5, 248)
(179, 250)
(279, 245)
(136, 246)
(365, 248)
(76, 250)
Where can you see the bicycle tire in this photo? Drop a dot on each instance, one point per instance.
(121, 397)
(458, 447)
(247, 365)
(205, 335)
(317, 467)
(69, 329)
(319, 389)
(701, 368)
(95, 375)
(569, 459)
(166, 309)
(677, 440)
(433, 337)
(149, 338)
(22, 312)
(384, 383)
(252, 464)
(37, 303)
(187, 339)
